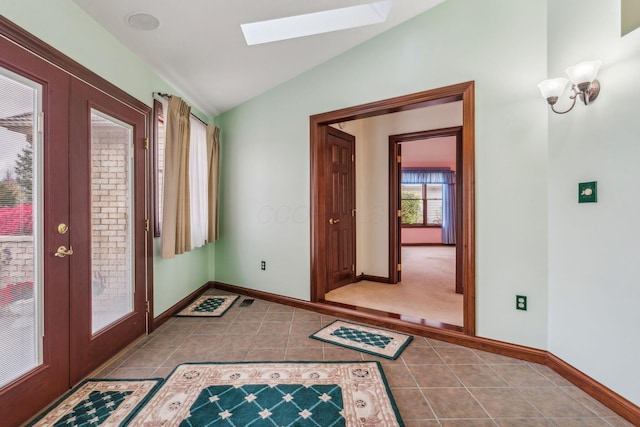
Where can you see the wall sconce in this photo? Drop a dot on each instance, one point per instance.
(584, 85)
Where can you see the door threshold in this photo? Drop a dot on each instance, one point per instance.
(388, 315)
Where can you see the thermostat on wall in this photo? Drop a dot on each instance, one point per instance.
(588, 192)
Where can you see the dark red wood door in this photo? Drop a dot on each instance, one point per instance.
(34, 199)
(107, 227)
(340, 209)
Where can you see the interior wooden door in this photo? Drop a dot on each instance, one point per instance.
(340, 209)
(34, 203)
(107, 283)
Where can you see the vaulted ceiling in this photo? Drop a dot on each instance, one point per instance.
(199, 48)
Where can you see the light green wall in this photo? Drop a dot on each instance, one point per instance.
(502, 45)
(594, 273)
(67, 28)
(265, 157)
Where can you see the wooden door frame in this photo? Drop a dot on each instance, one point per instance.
(395, 228)
(458, 92)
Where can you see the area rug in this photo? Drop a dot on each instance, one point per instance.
(327, 394)
(209, 306)
(97, 402)
(367, 339)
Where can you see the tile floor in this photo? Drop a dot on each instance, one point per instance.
(434, 383)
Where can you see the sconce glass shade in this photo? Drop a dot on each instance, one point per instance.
(553, 88)
(584, 72)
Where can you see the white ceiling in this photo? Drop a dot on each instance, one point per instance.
(199, 48)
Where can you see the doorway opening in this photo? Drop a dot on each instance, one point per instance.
(465, 229)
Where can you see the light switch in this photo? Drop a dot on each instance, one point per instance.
(588, 192)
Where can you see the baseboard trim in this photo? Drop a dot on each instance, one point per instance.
(600, 392)
(454, 337)
(426, 244)
(171, 311)
(612, 400)
(378, 279)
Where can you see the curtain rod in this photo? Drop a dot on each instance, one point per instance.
(168, 96)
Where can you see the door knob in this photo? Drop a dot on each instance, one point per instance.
(334, 221)
(63, 252)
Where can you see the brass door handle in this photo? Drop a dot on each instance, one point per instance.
(63, 252)
(334, 221)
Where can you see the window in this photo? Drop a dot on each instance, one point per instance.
(422, 205)
(198, 173)
(159, 112)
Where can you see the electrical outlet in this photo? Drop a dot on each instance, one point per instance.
(263, 265)
(521, 302)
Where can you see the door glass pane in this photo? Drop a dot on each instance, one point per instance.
(111, 231)
(20, 241)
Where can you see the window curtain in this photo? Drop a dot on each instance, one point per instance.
(449, 213)
(198, 183)
(213, 156)
(176, 227)
(426, 176)
(448, 181)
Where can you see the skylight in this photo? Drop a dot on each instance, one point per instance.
(316, 23)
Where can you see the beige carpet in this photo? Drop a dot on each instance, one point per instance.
(427, 289)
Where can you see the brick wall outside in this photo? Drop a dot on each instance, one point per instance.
(16, 260)
(109, 218)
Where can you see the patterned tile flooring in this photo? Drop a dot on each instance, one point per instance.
(434, 383)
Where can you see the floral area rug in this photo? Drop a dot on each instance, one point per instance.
(367, 339)
(99, 403)
(209, 306)
(273, 394)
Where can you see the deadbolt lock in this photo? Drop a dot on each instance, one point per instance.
(63, 228)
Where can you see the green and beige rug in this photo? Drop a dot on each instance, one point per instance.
(273, 394)
(99, 403)
(367, 339)
(209, 306)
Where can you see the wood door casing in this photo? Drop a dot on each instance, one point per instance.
(340, 196)
(464, 92)
(395, 196)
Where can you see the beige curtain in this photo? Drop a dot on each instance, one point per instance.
(176, 227)
(213, 154)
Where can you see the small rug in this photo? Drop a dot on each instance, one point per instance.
(99, 403)
(367, 339)
(321, 394)
(209, 306)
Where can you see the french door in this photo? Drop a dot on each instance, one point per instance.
(72, 235)
(106, 187)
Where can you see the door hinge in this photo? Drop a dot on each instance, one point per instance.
(146, 143)
(148, 307)
(399, 267)
(146, 224)
(353, 212)
(353, 157)
(353, 267)
(399, 159)
(399, 213)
